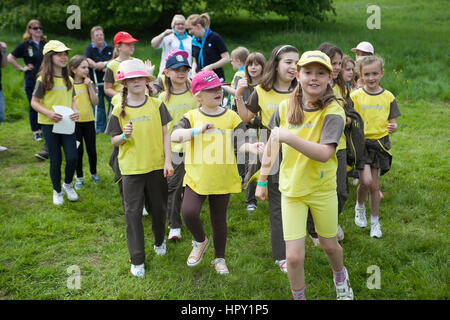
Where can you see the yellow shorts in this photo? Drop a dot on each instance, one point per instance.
(324, 210)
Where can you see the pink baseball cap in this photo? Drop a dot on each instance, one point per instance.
(205, 80)
(175, 52)
(364, 46)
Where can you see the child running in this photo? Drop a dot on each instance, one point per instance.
(179, 100)
(85, 97)
(210, 164)
(309, 126)
(276, 85)
(54, 87)
(379, 110)
(138, 127)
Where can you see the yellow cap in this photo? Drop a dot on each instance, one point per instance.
(315, 56)
(56, 46)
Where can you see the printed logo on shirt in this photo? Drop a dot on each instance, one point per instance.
(144, 118)
(308, 125)
(183, 106)
(372, 107)
(271, 106)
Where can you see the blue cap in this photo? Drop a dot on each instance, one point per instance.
(177, 61)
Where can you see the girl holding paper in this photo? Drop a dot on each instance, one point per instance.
(54, 87)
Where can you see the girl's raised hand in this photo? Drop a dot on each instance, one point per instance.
(151, 68)
(256, 148)
(87, 81)
(241, 85)
(128, 129)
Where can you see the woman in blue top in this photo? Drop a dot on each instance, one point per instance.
(209, 51)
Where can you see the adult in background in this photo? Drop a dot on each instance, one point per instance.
(98, 53)
(209, 51)
(3, 61)
(30, 50)
(175, 38)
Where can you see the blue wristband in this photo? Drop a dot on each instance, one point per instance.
(262, 184)
(194, 132)
(124, 136)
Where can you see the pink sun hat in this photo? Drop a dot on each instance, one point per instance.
(205, 80)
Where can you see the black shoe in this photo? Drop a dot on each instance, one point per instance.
(43, 155)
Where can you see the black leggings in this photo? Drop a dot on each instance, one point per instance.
(192, 206)
(86, 131)
(54, 143)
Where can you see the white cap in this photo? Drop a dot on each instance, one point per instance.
(365, 47)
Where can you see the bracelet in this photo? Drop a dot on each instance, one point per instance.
(23, 70)
(194, 132)
(238, 98)
(106, 63)
(262, 184)
(4, 51)
(163, 35)
(124, 136)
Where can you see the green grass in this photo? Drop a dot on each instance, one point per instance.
(39, 241)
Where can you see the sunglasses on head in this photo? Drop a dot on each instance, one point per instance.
(36, 28)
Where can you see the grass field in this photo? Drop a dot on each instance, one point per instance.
(39, 242)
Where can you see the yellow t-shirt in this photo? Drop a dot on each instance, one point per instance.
(337, 92)
(178, 105)
(268, 102)
(300, 175)
(144, 152)
(375, 110)
(83, 102)
(58, 96)
(210, 162)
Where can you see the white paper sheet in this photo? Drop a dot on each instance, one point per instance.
(65, 126)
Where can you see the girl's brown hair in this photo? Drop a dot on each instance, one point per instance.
(345, 60)
(270, 69)
(202, 19)
(124, 93)
(295, 113)
(75, 63)
(254, 57)
(331, 51)
(46, 72)
(168, 85)
(27, 36)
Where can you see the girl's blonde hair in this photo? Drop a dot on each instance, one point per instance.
(202, 19)
(27, 36)
(75, 63)
(254, 57)
(345, 60)
(295, 113)
(46, 72)
(124, 93)
(366, 60)
(270, 69)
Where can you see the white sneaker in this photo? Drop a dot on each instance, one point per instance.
(3, 148)
(144, 212)
(343, 290)
(198, 250)
(138, 271)
(58, 198)
(282, 264)
(70, 192)
(340, 233)
(375, 230)
(79, 182)
(252, 207)
(360, 216)
(161, 250)
(174, 234)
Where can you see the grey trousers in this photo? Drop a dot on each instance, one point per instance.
(276, 224)
(175, 184)
(152, 188)
(341, 179)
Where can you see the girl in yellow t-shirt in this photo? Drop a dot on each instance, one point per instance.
(379, 110)
(179, 99)
(276, 85)
(54, 87)
(309, 126)
(85, 97)
(210, 164)
(138, 126)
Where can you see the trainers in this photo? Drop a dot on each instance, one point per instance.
(79, 182)
(144, 212)
(95, 178)
(360, 216)
(340, 233)
(282, 264)
(3, 148)
(43, 154)
(70, 192)
(220, 266)
(343, 290)
(37, 136)
(315, 241)
(160, 250)
(198, 250)
(375, 230)
(58, 198)
(138, 271)
(252, 207)
(174, 234)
